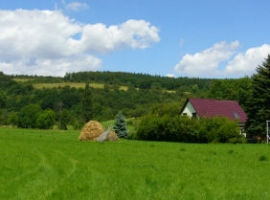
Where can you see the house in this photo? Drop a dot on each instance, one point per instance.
(201, 108)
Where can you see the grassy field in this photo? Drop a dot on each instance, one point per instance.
(64, 84)
(52, 164)
(76, 85)
(72, 84)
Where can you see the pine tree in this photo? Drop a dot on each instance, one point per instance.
(87, 110)
(259, 104)
(120, 126)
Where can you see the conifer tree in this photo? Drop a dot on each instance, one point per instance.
(259, 103)
(87, 110)
(120, 125)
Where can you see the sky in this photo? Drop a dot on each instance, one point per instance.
(176, 38)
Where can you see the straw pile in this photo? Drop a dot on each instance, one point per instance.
(112, 136)
(91, 131)
(107, 136)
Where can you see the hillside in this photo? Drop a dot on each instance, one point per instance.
(133, 94)
(142, 81)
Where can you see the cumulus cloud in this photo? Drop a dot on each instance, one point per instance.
(98, 38)
(244, 64)
(45, 42)
(222, 60)
(51, 67)
(206, 62)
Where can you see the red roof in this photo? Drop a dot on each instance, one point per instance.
(213, 108)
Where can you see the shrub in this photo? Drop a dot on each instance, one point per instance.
(148, 128)
(28, 116)
(46, 119)
(184, 129)
(167, 128)
(13, 119)
(218, 129)
(238, 139)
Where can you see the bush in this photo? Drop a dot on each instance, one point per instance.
(167, 128)
(184, 129)
(239, 139)
(220, 129)
(148, 128)
(46, 119)
(13, 118)
(28, 116)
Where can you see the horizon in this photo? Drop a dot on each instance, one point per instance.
(132, 73)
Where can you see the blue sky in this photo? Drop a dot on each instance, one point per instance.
(206, 38)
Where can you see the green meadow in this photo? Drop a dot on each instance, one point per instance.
(66, 84)
(51, 164)
(71, 84)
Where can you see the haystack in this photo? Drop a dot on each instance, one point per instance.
(107, 136)
(112, 136)
(91, 131)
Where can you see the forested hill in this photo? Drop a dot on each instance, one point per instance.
(134, 94)
(137, 80)
(142, 81)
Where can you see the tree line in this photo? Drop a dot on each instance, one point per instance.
(138, 80)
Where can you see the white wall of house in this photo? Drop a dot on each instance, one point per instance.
(189, 110)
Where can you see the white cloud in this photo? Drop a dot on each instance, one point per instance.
(181, 43)
(222, 60)
(244, 64)
(206, 63)
(75, 6)
(170, 75)
(51, 67)
(45, 42)
(98, 38)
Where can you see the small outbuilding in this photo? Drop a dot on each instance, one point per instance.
(202, 108)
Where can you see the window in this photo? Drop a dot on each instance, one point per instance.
(235, 115)
(194, 115)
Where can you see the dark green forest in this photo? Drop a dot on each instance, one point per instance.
(144, 94)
